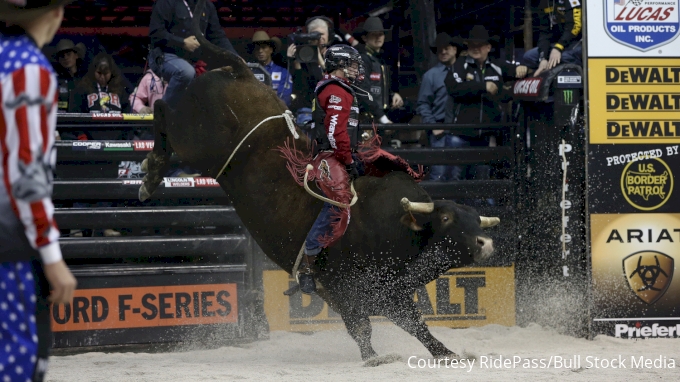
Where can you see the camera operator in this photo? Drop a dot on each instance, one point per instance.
(307, 75)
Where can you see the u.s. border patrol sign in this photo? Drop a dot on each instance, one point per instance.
(642, 24)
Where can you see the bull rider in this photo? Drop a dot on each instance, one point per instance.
(334, 108)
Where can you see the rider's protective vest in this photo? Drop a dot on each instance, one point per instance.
(320, 134)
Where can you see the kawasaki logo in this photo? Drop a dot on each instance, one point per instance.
(568, 96)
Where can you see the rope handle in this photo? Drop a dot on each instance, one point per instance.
(287, 115)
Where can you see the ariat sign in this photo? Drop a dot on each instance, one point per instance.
(649, 274)
(459, 298)
(633, 271)
(647, 184)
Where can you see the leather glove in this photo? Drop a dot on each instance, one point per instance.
(352, 171)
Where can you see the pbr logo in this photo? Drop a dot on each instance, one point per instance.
(649, 274)
(642, 24)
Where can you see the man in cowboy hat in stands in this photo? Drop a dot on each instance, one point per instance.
(70, 68)
(30, 256)
(263, 48)
(387, 105)
(476, 84)
(435, 105)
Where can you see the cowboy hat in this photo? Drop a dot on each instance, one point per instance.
(479, 34)
(66, 45)
(14, 11)
(373, 24)
(443, 39)
(261, 37)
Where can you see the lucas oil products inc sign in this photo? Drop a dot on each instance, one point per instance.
(642, 24)
(633, 28)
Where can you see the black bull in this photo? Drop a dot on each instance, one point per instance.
(386, 252)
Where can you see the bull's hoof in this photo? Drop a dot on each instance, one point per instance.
(143, 194)
(382, 360)
(145, 165)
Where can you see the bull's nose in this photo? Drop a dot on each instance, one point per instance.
(486, 246)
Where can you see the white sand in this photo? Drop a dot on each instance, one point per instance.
(333, 356)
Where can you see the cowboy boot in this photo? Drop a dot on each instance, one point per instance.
(306, 275)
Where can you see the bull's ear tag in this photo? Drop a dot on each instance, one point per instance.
(410, 221)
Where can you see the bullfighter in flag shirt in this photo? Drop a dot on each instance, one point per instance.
(30, 256)
(334, 108)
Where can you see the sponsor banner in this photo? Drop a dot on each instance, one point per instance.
(633, 28)
(633, 273)
(86, 145)
(190, 182)
(634, 178)
(133, 182)
(143, 145)
(634, 100)
(107, 116)
(462, 297)
(527, 87)
(139, 307)
(117, 146)
(137, 117)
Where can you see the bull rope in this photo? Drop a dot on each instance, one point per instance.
(287, 115)
(327, 200)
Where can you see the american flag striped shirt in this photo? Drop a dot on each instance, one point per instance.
(28, 117)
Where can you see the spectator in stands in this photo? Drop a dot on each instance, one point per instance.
(151, 88)
(175, 49)
(70, 68)
(436, 106)
(476, 85)
(263, 47)
(387, 105)
(102, 90)
(559, 38)
(307, 75)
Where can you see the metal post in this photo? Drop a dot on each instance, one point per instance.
(528, 26)
(424, 27)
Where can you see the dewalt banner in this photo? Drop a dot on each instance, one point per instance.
(634, 101)
(462, 297)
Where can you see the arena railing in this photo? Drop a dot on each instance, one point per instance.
(76, 155)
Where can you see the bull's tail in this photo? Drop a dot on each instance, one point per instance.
(213, 55)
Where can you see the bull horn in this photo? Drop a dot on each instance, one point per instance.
(488, 222)
(408, 205)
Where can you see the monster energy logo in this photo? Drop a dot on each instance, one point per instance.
(568, 96)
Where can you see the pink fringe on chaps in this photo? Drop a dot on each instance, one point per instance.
(333, 180)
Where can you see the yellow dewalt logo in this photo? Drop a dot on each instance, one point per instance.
(643, 75)
(643, 102)
(643, 129)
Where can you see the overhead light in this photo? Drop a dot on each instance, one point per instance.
(381, 10)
